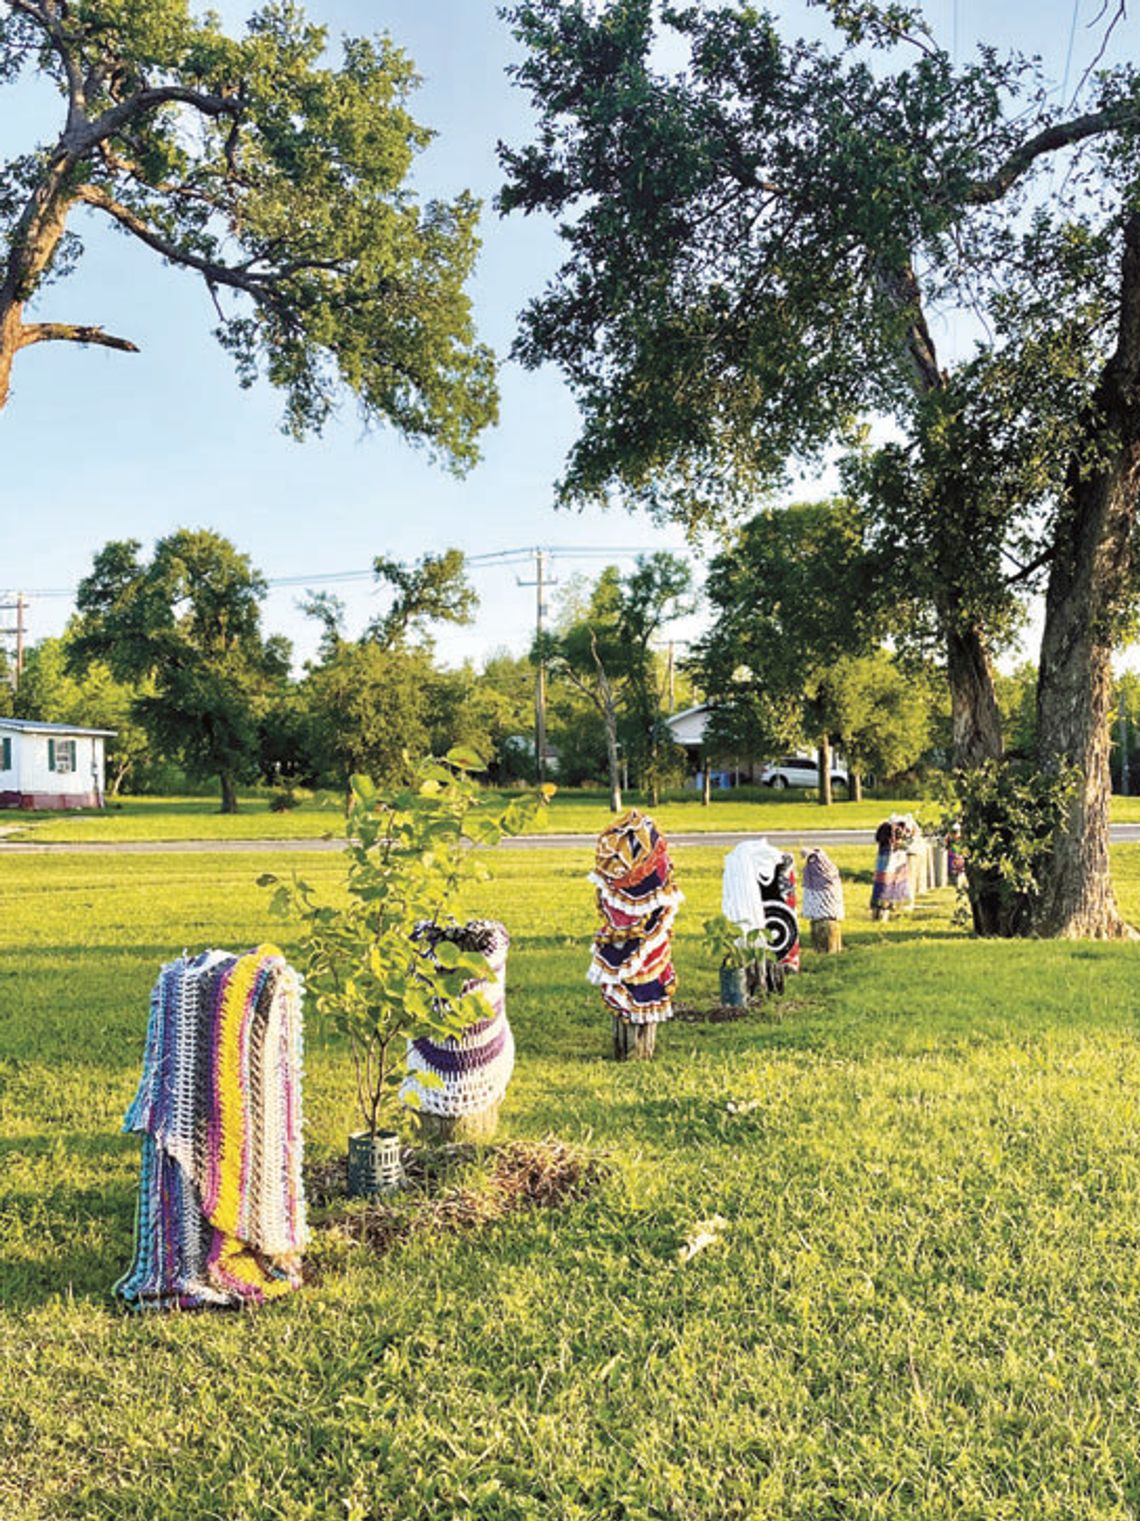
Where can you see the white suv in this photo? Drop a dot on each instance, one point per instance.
(797, 771)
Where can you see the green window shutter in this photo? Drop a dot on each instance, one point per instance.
(6, 758)
(51, 754)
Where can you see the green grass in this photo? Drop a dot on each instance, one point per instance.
(923, 1304)
(571, 812)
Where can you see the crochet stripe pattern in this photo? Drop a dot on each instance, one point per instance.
(472, 1069)
(637, 898)
(823, 889)
(221, 1208)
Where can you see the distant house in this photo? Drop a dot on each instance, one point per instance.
(688, 730)
(51, 765)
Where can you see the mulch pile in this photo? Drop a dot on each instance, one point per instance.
(718, 1014)
(522, 1175)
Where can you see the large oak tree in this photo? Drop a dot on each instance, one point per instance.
(277, 177)
(753, 244)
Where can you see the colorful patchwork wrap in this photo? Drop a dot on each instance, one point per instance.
(637, 897)
(823, 889)
(472, 1069)
(758, 890)
(891, 887)
(221, 1209)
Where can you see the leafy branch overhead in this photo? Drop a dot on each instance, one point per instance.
(276, 177)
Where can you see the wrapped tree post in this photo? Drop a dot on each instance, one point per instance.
(891, 886)
(758, 890)
(221, 1212)
(632, 960)
(455, 1083)
(823, 901)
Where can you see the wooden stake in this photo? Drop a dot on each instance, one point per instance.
(633, 1043)
(826, 936)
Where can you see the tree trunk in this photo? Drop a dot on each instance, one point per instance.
(854, 786)
(229, 792)
(706, 780)
(975, 720)
(825, 771)
(1088, 591)
(10, 327)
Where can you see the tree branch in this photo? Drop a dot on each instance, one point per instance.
(46, 16)
(71, 332)
(1060, 135)
(142, 101)
(258, 286)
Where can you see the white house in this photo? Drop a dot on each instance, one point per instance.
(51, 765)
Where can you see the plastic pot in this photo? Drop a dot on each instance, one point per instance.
(374, 1164)
(734, 986)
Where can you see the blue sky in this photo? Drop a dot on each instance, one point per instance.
(98, 445)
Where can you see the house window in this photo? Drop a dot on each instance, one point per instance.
(5, 754)
(61, 755)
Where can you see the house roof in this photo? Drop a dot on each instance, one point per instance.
(34, 726)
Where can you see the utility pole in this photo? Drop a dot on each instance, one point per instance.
(18, 607)
(540, 583)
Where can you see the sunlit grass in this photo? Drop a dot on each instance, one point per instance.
(923, 1302)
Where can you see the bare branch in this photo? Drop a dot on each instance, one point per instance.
(1060, 135)
(72, 332)
(1118, 15)
(45, 15)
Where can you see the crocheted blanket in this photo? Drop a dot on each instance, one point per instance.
(823, 889)
(470, 1071)
(637, 899)
(221, 1207)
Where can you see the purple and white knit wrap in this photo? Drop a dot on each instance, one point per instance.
(823, 889)
(472, 1069)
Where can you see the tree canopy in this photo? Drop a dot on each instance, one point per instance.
(188, 624)
(278, 177)
(753, 241)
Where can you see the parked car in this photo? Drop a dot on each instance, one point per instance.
(798, 771)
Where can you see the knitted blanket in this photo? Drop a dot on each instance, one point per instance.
(471, 1071)
(637, 900)
(221, 1208)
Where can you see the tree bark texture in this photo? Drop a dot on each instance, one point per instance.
(855, 787)
(975, 721)
(825, 771)
(1088, 587)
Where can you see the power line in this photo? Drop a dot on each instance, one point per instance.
(490, 560)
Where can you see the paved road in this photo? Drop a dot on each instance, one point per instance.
(1121, 834)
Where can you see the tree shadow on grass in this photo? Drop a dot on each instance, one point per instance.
(66, 1239)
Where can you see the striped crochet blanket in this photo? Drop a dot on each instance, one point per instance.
(221, 1208)
(632, 961)
(471, 1071)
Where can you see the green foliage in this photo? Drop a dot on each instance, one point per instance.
(281, 176)
(368, 964)
(795, 594)
(434, 590)
(734, 946)
(1009, 812)
(878, 712)
(185, 629)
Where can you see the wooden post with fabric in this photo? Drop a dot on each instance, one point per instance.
(632, 959)
(823, 901)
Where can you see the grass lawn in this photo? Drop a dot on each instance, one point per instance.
(923, 1302)
(146, 818)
